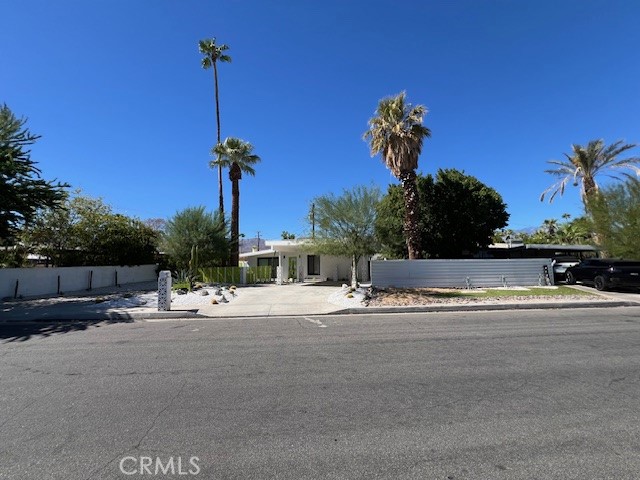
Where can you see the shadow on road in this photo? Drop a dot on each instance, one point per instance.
(21, 332)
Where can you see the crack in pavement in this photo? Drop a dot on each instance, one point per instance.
(153, 424)
(106, 464)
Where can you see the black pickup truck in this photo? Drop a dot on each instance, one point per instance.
(605, 273)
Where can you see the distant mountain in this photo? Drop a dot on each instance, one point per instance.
(247, 244)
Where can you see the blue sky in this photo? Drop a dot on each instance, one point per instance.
(126, 112)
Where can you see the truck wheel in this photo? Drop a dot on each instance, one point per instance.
(600, 283)
(569, 278)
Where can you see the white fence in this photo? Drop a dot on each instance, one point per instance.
(28, 282)
(458, 273)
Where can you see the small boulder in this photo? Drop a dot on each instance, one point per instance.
(204, 293)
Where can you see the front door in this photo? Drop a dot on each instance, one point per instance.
(293, 268)
(313, 264)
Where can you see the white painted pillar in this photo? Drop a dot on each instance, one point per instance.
(279, 270)
(164, 291)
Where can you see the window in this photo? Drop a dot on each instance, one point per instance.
(313, 264)
(269, 261)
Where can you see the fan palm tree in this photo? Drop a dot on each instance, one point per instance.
(214, 53)
(397, 133)
(237, 155)
(585, 162)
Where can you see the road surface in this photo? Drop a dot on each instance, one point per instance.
(477, 395)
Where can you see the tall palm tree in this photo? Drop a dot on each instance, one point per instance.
(214, 53)
(585, 162)
(397, 133)
(237, 155)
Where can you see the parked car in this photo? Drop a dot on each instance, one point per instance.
(560, 265)
(605, 273)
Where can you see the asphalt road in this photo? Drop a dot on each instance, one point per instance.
(478, 395)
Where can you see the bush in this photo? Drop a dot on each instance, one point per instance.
(193, 227)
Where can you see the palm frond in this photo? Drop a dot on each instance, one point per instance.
(212, 52)
(396, 133)
(556, 188)
(236, 151)
(586, 162)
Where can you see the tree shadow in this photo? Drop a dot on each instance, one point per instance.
(22, 331)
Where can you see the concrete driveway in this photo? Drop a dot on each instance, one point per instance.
(628, 295)
(276, 300)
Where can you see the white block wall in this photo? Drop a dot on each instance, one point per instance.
(44, 281)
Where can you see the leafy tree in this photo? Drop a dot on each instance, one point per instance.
(194, 227)
(14, 256)
(615, 216)
(238, 156)
(461, 215)
(287, 236)
(22, 191)
(585, 163)
(157, 224)
(116, 239)
(86, 232)
(214, 53)
(345, 225)
(576, 231)
(397, 133)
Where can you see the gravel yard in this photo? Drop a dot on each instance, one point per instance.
(428, 296)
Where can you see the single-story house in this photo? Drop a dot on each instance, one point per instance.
(300, 264)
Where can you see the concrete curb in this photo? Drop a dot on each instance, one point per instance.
(193, 314)
(489, 307)
(444, 308)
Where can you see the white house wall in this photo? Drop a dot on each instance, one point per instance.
(339, 268)
(331, 267)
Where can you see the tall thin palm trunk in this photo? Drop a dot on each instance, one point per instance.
(235, 174)
(220, 196)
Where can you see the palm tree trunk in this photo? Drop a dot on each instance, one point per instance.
(590, 189)
(235, 220)
(412, 214)
(354, 271)
(220, 196)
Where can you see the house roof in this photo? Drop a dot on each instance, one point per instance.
(286, 246)
(258, 253)
(544, 246)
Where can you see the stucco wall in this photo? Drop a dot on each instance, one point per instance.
(44, 281)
